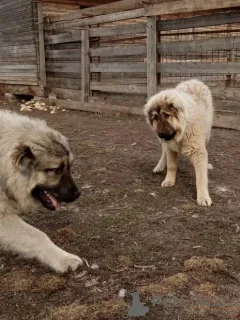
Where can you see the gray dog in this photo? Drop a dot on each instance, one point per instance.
(35, 163)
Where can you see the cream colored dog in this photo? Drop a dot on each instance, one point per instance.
(182, 118)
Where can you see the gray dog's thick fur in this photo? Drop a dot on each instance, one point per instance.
(28, 147)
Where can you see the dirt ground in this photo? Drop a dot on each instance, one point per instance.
(184, 260)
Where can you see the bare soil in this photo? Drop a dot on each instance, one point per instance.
(144, 238)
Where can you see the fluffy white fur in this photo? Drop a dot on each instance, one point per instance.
(193, 101)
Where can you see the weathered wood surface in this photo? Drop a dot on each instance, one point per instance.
(183, 6)
(118, 67)
(109, 8)
(20, 89)
(223, 94)
(118, 51)
(72, 67)
(199, 68)
(106, 87)
(65, 37)
(64, 83)
(227, 120)
(75, 35)
(42, 66)
(85, 67)
(118, 30)
(94, 107)
(151, 56)
(199, 21)
(18, 45)
(199, 45)
(71, 94)
(221, 119)
(96, 20)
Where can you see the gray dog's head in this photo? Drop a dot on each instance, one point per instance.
(39, 168)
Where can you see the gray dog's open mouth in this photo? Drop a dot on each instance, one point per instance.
(47, 199)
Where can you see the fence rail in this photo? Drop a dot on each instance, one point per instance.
(124, 58)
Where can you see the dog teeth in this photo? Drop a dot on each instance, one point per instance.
(47, 194)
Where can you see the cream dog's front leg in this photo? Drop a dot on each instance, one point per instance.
(200, 163)
(171, 168)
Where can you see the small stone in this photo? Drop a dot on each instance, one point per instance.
(94, 266)
(91, 283)
(122, 293)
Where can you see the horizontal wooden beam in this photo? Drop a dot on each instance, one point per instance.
(129, 88)
(184, 6)
(27, 82)
(199, 45)
(199, 21)
(118, 30)
(64, 83)
(96, 20)
(21, 89)
(221, 120)
(70, 67)
(71, 36)
(226, 94)
(226, 120)
(75, 36)
(68, 54)
(95, 107)
(223, 93)
(199, 67)
(118, 51)
(118, 67)
(109, 8)
(66, 93)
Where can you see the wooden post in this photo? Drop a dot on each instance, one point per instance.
(85, 66)
(151, 56)
(42, 67)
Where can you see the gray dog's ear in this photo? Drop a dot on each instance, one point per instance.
(23, 158)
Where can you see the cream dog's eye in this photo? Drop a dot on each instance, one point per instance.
(166, 115)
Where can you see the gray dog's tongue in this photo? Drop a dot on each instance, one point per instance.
(56, 204)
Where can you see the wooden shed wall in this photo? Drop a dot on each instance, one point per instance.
(18, 42)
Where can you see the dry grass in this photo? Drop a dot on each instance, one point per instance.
(166, 286)
(89, 312)
(71, 312)
(178, 280)
(19, 281)
(210, 265)
(16, 281)
(49, 282)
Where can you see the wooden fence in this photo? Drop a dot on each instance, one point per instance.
(118, 60)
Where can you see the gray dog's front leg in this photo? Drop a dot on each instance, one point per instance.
(18, 236)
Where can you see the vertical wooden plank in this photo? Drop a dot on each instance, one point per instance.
(42, 67)
(85, 66)
(151, 56)
(159, 39)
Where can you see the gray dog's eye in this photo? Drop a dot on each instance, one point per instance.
(56, 170)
